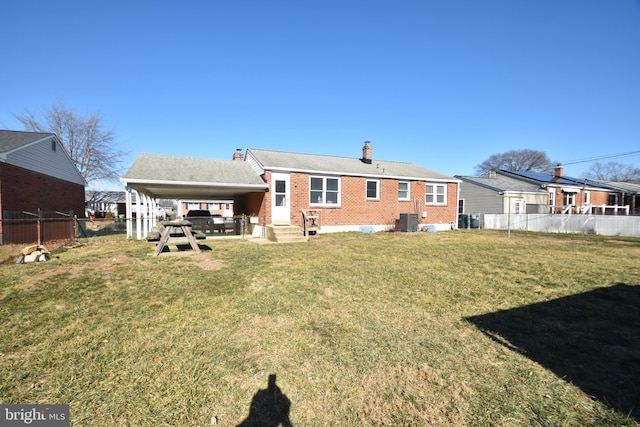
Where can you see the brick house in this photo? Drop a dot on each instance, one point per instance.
(568, 194)
(36, 173)
(350, 193)
(274, 188)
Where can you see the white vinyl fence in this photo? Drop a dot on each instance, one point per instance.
(606, 225)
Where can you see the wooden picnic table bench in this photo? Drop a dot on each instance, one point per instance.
(185, 226)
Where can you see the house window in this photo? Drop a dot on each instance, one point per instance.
(404, 190)
(373, 189)
(436, 194)
(587, 197)
(569, 199)
(461, 206)
(324, 191)
(54, 146)
(518, 206)
(214, 206)
(193, 206)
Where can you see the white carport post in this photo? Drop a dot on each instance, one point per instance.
(154, 213)
(139, 217)
(129, 212)
(147, 214)
(151, 217)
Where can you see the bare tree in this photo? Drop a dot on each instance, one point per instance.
(517, 160)
(613, 171)
(91, 147)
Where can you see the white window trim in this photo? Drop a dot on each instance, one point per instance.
(518, 206)
(324, 191)
(435, 194)
(366, 189)
(569, 197)
(408, 190)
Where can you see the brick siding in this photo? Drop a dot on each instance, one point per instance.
(23, 189)
(355, 208)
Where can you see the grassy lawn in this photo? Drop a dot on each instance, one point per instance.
(386, 329)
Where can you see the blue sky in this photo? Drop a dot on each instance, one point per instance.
(443, 84)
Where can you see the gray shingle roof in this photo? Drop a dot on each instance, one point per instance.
(12, 139)
(628, 187)
(314, 163)
(502, 183)
(156, 167)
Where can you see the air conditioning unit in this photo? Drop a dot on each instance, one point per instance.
(408, 222)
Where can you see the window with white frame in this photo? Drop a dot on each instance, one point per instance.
(404, 190)
(518, 206)
(373, 189)
(569, 199)
(214, 206)
(587, 197)
(436, 194)
(324, 190)
(193, 205)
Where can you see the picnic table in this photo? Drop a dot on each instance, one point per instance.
(183, 225)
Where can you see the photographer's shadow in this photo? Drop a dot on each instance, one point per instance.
(269, 407)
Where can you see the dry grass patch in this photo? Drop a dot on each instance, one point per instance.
(382, 329)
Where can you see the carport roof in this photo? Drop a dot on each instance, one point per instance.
(176, 177)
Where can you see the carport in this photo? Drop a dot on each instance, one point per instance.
(154, 177)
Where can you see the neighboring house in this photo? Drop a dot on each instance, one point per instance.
(36, 173)
(492, 193)
(273, 188)
(216, 207)
(568, 194)
(103, 204)
(505, 191)
(624, 193)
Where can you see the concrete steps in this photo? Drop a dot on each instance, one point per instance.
(285, 233)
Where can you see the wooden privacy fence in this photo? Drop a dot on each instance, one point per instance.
(36, 227)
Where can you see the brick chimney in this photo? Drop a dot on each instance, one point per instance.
(367, 151)
(557, 174)
(237, 155)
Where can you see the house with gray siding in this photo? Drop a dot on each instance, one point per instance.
(36, 174)
(493, 193)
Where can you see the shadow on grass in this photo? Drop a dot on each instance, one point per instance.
(591, 340)
(184, 247)
(269, 407)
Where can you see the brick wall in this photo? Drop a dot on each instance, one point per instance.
(249, 204)
(23, 189)
(356, 209)
(599, 198)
